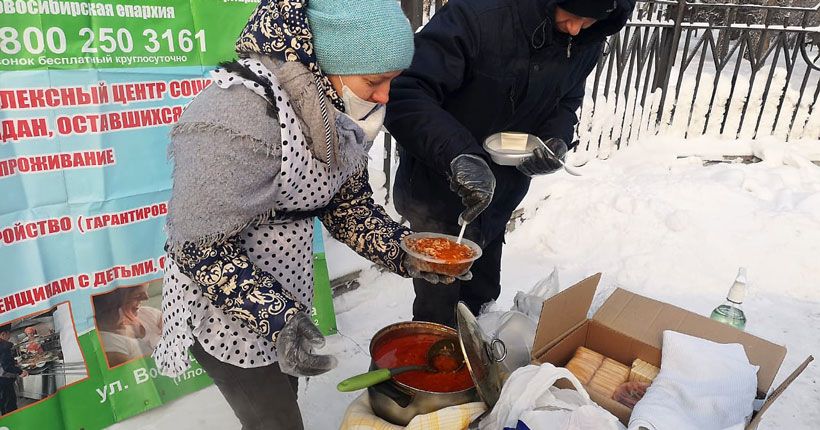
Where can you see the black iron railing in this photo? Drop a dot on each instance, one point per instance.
(691, 69)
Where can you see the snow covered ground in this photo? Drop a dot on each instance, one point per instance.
(653, 223)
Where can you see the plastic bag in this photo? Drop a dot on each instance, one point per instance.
(530, 303)
(516, 330)
(529, 398)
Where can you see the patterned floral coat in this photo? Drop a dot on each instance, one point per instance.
(220, 266)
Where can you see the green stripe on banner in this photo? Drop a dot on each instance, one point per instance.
(106, 396)
(324, 315)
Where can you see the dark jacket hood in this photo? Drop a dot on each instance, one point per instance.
(612, 24)
(541, 20)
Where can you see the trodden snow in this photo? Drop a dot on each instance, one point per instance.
(651, 221)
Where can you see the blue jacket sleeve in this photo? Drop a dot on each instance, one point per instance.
(233, 283)
(444, 50)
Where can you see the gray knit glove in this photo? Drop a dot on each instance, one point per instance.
(295, 345)
(434, 278)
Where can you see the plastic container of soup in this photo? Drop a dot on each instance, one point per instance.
(439, 253)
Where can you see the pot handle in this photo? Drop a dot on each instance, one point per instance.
(400, 397)
(497, 350)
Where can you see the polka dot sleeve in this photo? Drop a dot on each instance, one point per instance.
(353, 218)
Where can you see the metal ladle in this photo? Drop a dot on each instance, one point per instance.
(442, 348)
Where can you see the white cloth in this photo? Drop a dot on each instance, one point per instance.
(283, 248)
(702, 385)
(133, 347)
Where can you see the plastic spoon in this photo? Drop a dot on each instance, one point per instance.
(461, 234)
(447, 348)
(572, 172)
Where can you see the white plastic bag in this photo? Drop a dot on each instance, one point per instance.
(529, 303)
(530, 397)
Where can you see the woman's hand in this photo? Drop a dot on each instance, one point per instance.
(295, 347)
(412, 268)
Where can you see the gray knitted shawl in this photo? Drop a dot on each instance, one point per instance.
(227, 156)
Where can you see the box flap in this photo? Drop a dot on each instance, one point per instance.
(564, 311)
(778, 391)
(646, 319)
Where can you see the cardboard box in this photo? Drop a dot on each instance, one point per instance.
(630, 326)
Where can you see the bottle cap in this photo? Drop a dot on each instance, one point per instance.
(738, 291)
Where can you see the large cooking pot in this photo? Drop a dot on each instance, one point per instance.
(399, 403)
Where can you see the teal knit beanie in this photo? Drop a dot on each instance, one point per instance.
(360, 37)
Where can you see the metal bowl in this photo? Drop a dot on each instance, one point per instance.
(445, 267)
(398, 403)
(507, 157)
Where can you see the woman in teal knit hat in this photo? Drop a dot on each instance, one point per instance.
(280, 138)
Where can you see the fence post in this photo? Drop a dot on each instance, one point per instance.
(673, 49)
(414, 9)
(387, 165)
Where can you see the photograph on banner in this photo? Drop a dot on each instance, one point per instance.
(39, 354)
(129, 321)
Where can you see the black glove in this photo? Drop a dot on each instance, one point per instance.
(541, 161)
(474, 182)
(434, 278)
(294, 348)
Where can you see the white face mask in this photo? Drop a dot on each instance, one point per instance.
(367, 115)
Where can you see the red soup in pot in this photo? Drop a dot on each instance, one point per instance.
(411, 350)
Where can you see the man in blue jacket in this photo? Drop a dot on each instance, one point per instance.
(481, 67)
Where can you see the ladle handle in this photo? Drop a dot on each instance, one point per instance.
(364, 380)
(372, 378)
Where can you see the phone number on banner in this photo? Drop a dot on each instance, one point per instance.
(104, 40)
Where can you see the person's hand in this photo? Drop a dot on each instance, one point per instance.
(295, 345)
(24, 374)
(411, 265)
(474, 182)
(541, 162)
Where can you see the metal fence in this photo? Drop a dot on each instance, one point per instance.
(684, 68)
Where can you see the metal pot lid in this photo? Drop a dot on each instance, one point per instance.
(483, 358)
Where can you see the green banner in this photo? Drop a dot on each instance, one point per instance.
(55, 34)
(88, 91)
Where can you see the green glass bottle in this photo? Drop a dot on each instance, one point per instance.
(731, 311)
